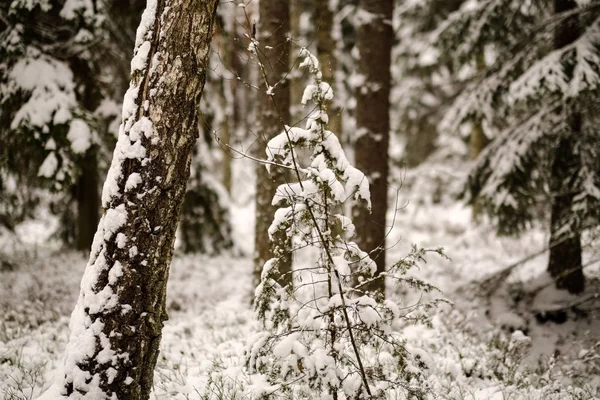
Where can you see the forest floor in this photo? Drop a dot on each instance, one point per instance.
(503, 339)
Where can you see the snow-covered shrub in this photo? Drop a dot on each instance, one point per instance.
(326, 336)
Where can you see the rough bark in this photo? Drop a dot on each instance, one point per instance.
(327, 58)
(564, 262)
(374, 41)
(272, 31)
(116, 325)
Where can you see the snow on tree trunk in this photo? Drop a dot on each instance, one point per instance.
(564, 262)
(116, 325)
(273, 28)
(374, 41)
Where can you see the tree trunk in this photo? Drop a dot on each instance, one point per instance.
(87, 186)
(273, 28)
(228, 99)
(327, 58)
(88, 200)
(477, 140)
(297, 112)
(116, 325)
(374, 41)
(564, 262)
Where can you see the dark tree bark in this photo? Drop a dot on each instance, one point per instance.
(88, 200)
(87, 187)
(117, 322)
(374, 41)
(297, 80)
(327, 58)
(564, 262)
(272, 31)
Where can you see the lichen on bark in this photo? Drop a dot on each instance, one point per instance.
(117, 322)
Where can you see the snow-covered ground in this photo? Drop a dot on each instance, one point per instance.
(488, 346)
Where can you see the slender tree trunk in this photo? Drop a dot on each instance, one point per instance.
(117, 322)
(227, 172)
(88, 200)
(564, 262)
(477, 140)
(274, 26)
(374, 41)
(228, 98)
(327, 58)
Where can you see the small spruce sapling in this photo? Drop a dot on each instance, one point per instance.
(326, 337)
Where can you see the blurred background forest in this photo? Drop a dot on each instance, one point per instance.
(475, 121)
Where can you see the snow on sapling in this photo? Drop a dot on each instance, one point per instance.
(326, 337)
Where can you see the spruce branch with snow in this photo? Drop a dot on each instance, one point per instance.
(326, 336)
(538, 102)
(54, 104)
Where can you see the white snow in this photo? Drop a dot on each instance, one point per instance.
(133, 181)
(49, 166)
(80, 136)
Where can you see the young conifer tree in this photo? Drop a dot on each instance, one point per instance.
(326, 337)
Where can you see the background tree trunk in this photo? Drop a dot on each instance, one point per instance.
(272, 31)
(296, 77)
(117, 322)
(88, 200)
(326, 46)
(477, 140)
(87, 187)
(374, 41)
(564, 262)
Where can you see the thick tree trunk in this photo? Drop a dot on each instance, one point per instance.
(116, 325)
(88, 200)
(564, 262)
(273, 28)
(374, 41)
